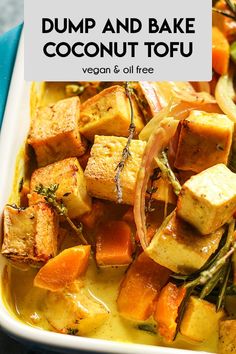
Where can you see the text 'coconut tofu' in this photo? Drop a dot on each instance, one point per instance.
(208, 199)
(200, 320)
(30, 235)
(54, 132)
(108, 113)
(180, 247)
(72, 189)
(204, 140)
(227, 337)
(100, 171)
(74, 310)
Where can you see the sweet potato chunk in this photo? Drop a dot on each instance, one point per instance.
(74, 310)
(30, 235)
(204, 140)
(166, 311)
(108, 113)
(140, 288)
(72, 185)
(114, 244)
(227, 337)
(54, 132)
(93, 217)
(208, 200)
(200, 320)
(181, 248)
(62, 270)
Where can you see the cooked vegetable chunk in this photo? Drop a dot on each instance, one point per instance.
(114, 244)
(30, 235)
(200, 320)
(147, 98)
(74, 310)
(180, 247)
(220, 51)
(62, 270)
(108, 113)
(54, 132)
(72, 185)
(167, 307)
(205, 140)
(208, 200)
(94, 217)
(140, 288)
(227, 337)
(100, 172)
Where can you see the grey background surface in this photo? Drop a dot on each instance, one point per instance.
(39, 67)
(11, 14)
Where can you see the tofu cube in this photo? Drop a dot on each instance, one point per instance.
(54, 132)
(200, 320)
(204, 140)
(227, 337)
(100, 171)
(108, 113)
(208, 199)
(30, 235)
(72, 185)
(180, 247)
(74, 310)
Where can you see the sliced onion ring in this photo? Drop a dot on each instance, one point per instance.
(158, 140)
(224, 96)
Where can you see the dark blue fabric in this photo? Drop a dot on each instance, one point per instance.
(8, 47)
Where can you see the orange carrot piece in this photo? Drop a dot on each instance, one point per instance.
(114, 244)
(140, 288)
(63, 269)
(92, 218)
(220, 51)
(166, 311)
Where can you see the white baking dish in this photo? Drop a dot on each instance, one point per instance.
(14, 130)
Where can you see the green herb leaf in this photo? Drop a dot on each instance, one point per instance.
(147, 327)
(49, 194)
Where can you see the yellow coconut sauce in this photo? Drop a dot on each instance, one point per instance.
(26, 301)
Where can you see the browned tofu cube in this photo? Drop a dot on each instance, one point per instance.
(108, 113)
(100, 171)
(101, 168)
(208, 199)
(74, 310)
(200, 320)
(204, 140)
(54, 132)
(180, 247)
(227, 337)
(72, 185)
(30, 235)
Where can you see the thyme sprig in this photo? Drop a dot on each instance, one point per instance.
(232, 8)
(152, 189)
(49, 194)
(126, 151)
(213, 277)
(167, 172)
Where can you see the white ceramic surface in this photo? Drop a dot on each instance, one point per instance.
(14, 130)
